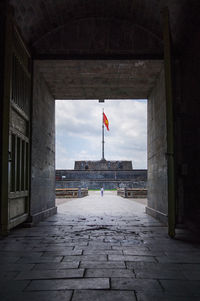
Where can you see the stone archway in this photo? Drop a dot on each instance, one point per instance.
(125, 30)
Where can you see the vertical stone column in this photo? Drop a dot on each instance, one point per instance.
(157, 148)
(42, 202)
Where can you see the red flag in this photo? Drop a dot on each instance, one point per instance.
(105, 121)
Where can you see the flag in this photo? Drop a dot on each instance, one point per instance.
(105, 121)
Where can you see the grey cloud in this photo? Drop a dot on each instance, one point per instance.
(128, 129)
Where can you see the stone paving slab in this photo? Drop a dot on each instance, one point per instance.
(192, 275)
(131, 258)
(51, 274)
(108, 273)
(62, 253)
(133, 248)
(9, 259)
(95, 295)
(183, 253)
(16, 267)
(39, 259)
(18, 254)
(85, 258)
(103, 245)
(103, 257)
(131, 243)
(135, 284)
(59, 246)
(17, 248)
(163, 297)
(56, 265)
(189, 267)
(138, 252)
(16, 286)
(181, 287)
(54, 248)
(180, 258)
(102, 265)
(101, 252)
(83, 283)
(172, 247)
(8, 275)
(37, 296)
(159, 274)
(155, 266)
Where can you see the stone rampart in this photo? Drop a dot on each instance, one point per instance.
(103, 165)
(96, 179)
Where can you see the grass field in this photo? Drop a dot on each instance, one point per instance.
(104, 189)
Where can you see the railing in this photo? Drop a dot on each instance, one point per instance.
(132, 192)
(71, 192)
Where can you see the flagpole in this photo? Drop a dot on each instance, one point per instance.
(103, 137)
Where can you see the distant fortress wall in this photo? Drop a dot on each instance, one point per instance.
(95, 179)
(97, 174)
(103, 165)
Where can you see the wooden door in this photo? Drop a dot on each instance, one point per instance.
(16, 132)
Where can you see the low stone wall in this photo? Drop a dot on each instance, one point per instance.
(132, 192)
(71, 192)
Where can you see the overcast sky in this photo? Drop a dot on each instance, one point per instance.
(79, 131)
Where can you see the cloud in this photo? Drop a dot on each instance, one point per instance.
(79, 128)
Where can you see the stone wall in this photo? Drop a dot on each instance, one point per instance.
(188, 132)
(43, 150)
(103, 165)
(97, 179)
(157, 148)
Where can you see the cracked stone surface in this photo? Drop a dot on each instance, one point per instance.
(102, 249)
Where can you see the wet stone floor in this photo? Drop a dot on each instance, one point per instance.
(99, 248)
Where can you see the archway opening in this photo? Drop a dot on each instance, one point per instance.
(80, 149)
(106, 79)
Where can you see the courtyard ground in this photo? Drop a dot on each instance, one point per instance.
(102, 249)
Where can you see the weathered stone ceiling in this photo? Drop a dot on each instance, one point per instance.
(65, 29)
(109, 27)
(102, 79)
